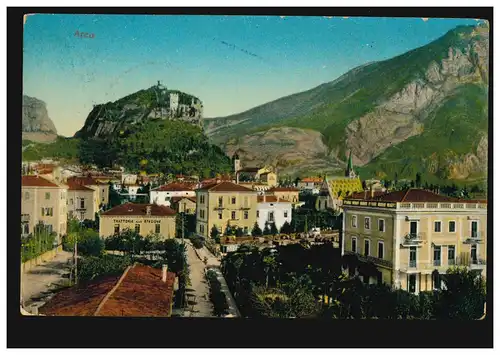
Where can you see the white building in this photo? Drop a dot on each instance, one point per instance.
(174, 101)
(129, 179)
(271, 209)
(162, 195)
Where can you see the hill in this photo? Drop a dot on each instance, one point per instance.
(36, 123)
(433, 97)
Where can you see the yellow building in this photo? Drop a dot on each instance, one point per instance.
(184, 204)
(145, 219)
(101, 188)
(43, 201)
(222, 203)
(82, 202)
(414, 235)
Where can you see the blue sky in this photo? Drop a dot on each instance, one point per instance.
(262, 58)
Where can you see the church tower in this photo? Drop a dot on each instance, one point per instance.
(350, 168)
(236, 162)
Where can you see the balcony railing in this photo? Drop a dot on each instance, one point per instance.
(375, 260)
(474, 237)
(412, 239)
(417, 205)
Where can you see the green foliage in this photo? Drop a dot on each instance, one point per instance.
(37, 243)
(267, 230)
(197, 243)
(217, 296)
(214, 232)
(66, 149)
(91, 267)
(272, 229)
(88, 242)
(256, 231)
(286, 228)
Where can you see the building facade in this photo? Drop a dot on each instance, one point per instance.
(290, 194)
(43, 201)
(271, 209)
(82, 202)
(413, 236)
(225, 203)
(163, 195)
(184, 204)
(144, 219)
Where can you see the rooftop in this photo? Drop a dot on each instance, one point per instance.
(141, 292)
(284, 189)
(312, 179)
(139, 209)
(36, 181)
(74, 186)
(179, 198)
(175, 186)
(225, 186)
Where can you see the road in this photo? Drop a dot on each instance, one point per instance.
(199, 304)
(43, 279)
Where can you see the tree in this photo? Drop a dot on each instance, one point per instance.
(273, 229)
(286, 228)
(267, 230)
(418, 180)
(256, 231)
(239, 232)
(214, 232)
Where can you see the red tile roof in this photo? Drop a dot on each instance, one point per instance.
(226, 186)
(284, 189)
(139, 209)
(176, 186)
(270, 198)
(36, 181)
(141, 292)
(312, 179)
(179, 198)
(84, 180)
(74, 186)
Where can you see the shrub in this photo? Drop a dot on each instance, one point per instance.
(197, 243)
(91, 267)
(217, 296)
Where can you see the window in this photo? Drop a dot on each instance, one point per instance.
(271, 217)
(245, 230)
(70, 201)
(474, 233)
(413, 228)
(220, 215)
(47, 195)
(137, 228)
(82, 203)
(437, 226)
(413, 257)
(257, 214)
(437, 255)
(233, 215)
(202, 213)
(26, 228)
(380, 253)
(157, 228)
(285, 214)
(412, 283)
(354, 221)
(451, 255)
(367, 247)
(233, 200)
(473, 253)
(47, 211)
(451, 226)
(354, 246)
(202, 198)
(117, 229)
(202, 228)
(220, 201)
(245, 214)
(367, 223)
(26, 195)
(381, 225)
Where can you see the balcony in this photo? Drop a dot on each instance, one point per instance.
(412, 240)
(409, 266)
(477, 264)
(375, 260)
(475, 237)
(219, 207)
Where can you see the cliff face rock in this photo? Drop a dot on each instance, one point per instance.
(155, 103)
(35, 116)
(290, 150)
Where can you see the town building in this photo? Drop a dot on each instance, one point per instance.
(266, 176)
(412, 236)
(101, 188)
(43, 202)
(144, 219)
(271, 209)
(141, 291)
(335, 188)
(290, 194)
(82, 201)
(163, 195)
(310, 184)
(184, 204)
(225, 203)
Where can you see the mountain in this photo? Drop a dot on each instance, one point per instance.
(155, 103)
(36, 123)
(423, 111)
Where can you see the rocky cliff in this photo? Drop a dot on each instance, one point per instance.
(424, 111)
(155, 103)
(36, 123)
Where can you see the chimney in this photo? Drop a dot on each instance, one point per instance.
(164, 270)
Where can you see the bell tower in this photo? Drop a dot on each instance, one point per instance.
(350, 168)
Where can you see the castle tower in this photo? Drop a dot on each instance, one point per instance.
(350, 168)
